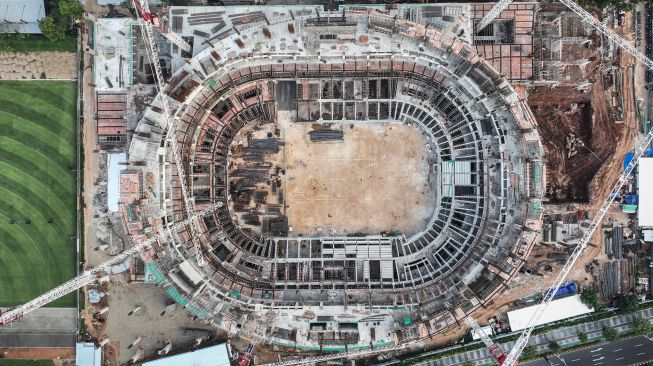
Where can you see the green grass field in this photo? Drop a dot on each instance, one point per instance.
(37, 42)
(37, 189)
(25, 362)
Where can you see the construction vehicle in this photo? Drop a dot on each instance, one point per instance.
(495, 350)
(246, 357)
(639, 150)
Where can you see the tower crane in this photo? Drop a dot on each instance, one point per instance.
(639, 150)
(92, 274)
(156, 22)
(148, 23)
(495, 350)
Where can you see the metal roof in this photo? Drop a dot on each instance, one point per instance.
(87, 355)
(210, 356)
(21, 16)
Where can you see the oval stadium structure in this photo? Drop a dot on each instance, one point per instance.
(377, 180)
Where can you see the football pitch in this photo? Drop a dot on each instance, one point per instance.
(37, 189)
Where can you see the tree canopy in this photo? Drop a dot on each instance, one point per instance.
(610, 334)
(51, 29)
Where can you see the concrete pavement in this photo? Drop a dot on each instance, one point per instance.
(44, 327)
(629, 351)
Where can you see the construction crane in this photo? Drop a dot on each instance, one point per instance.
(495, 350)
(156, 22)
(92, 274)
(521, 343)
(493, 13)
(148, 23)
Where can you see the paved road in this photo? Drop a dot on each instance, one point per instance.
(626, 352)
(44, 327)
(566, 337)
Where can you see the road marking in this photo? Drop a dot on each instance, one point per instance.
(598, 359)
(638, 345)
(639, 354)
(620, 358)
(578, 359)
(596, 350)
(600, 363)
(617, 350)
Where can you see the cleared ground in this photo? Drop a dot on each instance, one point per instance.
(376, 180)
(37, 189)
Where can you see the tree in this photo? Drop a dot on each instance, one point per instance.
(590, 298)
(642, 326)
(610, 334)
(554, 346)
(51, 29)
(582, 337)
(70, 9)
(529, 352)
(628, 303)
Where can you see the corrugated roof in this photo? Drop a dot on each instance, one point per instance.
(210, 356)
(87, 355)
(21, 16)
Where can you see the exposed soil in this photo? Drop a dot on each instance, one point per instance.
(562, 112)
(378, 179)
(38, 65)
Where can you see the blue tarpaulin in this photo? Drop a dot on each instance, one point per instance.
(631, 199)
(627, 159)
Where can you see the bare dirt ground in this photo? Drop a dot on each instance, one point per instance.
(38, 65)
(178, 327)
(377, 179)
(564, 111)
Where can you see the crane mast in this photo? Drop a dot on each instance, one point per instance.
(90, 275)
(495, 350)
(493, 13)
(148, 20)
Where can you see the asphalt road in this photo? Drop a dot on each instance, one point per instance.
(621, 353)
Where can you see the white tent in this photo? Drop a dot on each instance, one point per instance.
(567, 307)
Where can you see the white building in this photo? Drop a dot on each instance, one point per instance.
(645, 206)
(21, 16)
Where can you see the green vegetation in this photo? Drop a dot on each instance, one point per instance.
(641, 326)
(628, 304)
(610, 334)
(64, 13)
(17, 42)
(554, 346)
(6, 362)
(582, 337)
(37, 189)
(590, 298)
(612, 4)
(528, 353)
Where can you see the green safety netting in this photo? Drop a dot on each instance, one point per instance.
(153, 274)
(177, 296)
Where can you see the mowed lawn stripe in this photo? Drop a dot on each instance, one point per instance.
(43, 114)
(37, 185)
(60, 95)
(39, 138)
(25, 185)
(40, 165)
